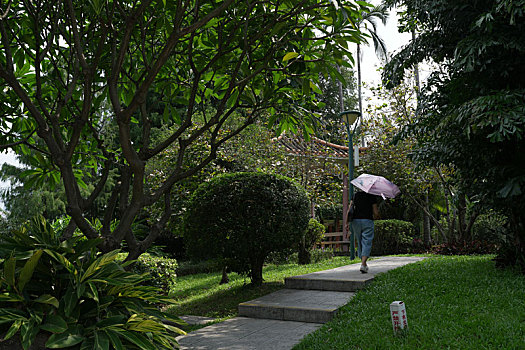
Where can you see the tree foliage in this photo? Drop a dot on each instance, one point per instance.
(369, 23)
(389, 159)
(22, 202)
(472, 113)
(429, 192)
(255, 149)
(88, 85)
(330, 128)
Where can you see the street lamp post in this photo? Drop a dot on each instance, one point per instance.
(349, 118)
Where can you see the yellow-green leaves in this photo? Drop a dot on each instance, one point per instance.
(28, 269)
(13, 329)
(289, 56)
(99, 264)
(25, 273)
(140, 324)
(47, 299)
(78, 296)
(97, 5)
(9, 271)
(62, 260)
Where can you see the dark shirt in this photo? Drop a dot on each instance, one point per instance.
(363, 205)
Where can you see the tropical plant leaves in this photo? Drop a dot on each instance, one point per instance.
(28, 269)
(9, 271)
(47, 299)
(98, 264)
(139, 340)
(13, 329)
(64, 340)
(28, 332)
(109, 309)
(54, 324)
(102, 341)
(114, 339)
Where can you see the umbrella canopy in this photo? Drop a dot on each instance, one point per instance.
(376, 185)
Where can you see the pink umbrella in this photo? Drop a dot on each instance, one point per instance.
(377, 185)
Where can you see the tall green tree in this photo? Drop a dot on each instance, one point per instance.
(473, 108)
(368, 22)
(331, 127)
(87, 84)
(426, 191)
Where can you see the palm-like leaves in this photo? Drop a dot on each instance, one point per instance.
(369, 23)
(76, 297)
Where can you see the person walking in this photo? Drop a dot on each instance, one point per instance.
(365, 211)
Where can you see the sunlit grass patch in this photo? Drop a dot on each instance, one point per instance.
(451, 302)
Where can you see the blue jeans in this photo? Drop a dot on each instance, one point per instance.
(363, 230)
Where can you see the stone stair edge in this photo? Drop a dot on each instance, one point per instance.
(288, 307)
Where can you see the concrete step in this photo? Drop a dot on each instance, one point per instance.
(341, 279)
(347, 278)
(296, 305)
(327, 284)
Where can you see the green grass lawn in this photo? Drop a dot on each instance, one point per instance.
(201, 294)
(451, 302)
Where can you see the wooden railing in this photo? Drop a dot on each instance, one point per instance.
(333, 237)
(334, 240)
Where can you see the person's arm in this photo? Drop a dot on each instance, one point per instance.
(375, 210)
(348, 211)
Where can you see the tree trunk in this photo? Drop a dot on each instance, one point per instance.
(451, 212)
(69, 230)
(462, 213)
(472, 219)
(452, 228)
(256, 272)
(224, 278)
(359, 96)
(512, 253)
(427, 235)
(424, 206)
(304, 257)
(416, 73)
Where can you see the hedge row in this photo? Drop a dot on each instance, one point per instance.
(394, 237)
(163, 271)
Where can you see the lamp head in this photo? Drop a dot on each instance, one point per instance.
(349, 117)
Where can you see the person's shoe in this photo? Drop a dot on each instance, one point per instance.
(364, 269)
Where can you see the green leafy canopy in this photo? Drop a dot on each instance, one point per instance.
(89, 86)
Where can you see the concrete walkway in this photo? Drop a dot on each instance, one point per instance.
(279, 320)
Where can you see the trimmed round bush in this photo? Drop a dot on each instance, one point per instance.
(241, 217)
(392, 237)
(312, 235)
(162, 271)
